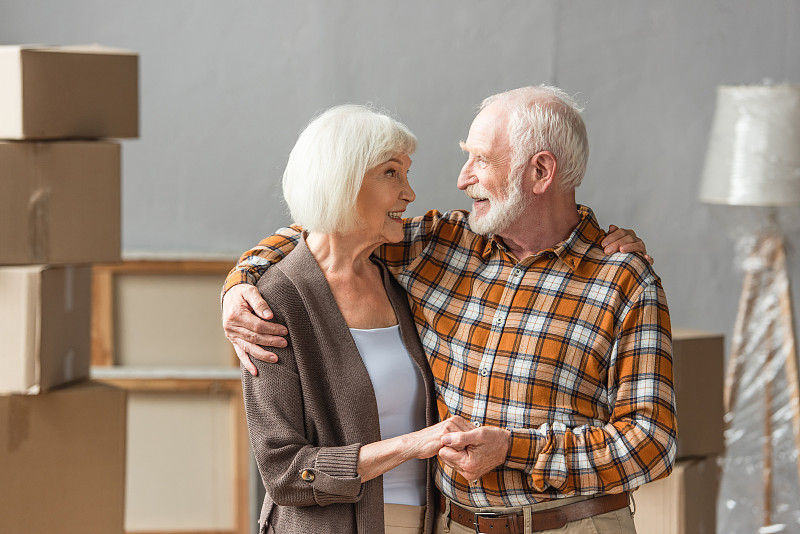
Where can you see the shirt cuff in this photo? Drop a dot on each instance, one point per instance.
(523, 449)
(239, 276)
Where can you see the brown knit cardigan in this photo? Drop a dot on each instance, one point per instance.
(309, 414)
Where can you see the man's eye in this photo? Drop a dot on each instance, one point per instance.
(391, 172)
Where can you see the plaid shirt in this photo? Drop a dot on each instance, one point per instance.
(569, 349)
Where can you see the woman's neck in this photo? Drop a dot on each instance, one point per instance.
(355, 282)
(341, 255)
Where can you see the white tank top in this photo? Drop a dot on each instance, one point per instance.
(400, 393)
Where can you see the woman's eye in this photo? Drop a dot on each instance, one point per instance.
(391, 172)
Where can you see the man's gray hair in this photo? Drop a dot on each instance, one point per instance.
(542, 118)
(327, 164)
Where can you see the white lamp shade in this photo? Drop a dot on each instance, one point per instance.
(753, 156)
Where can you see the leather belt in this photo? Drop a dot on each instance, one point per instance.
(514, 523)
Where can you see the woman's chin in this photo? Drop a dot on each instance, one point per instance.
(392, 237)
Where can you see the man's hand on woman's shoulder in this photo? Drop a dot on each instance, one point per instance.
(246, 321)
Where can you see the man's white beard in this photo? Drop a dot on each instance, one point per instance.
(502, 213)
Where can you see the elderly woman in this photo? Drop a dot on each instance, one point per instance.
(351, 397)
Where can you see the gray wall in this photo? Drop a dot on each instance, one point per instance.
(226, 87)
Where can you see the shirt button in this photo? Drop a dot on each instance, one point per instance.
(484, 372)
(517, 273)
(498, 319)
(307, 475)
(476, 423)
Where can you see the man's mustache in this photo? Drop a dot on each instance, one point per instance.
(477, 191)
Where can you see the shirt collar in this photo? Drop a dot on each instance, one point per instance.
(571, 251)
(583, 237)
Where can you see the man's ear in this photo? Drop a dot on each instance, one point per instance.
(543, 167)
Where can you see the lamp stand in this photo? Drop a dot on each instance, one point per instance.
(766, 267)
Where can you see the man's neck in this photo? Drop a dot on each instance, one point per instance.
(540, 228)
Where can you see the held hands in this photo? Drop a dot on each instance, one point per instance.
(245, 318)
(622, 240)
(428, 441)
(475, 451)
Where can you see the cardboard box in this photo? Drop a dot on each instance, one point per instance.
(683, 503)
(61, 92)
(45, 321)
(181, 448)
(59, 202)
(698, 377)
(62, 461)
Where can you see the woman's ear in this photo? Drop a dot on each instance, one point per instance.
(543, 171)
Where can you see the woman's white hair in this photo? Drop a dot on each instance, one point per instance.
(327, 164)
(546, 118)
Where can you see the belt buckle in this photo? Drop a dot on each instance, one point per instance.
(487, 515)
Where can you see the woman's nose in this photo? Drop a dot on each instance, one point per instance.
(408, 192)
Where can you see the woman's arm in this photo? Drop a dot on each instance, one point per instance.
(300, 455)
(295, 472)
(375, 459)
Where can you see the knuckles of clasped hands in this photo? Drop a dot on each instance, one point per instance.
(473, 451)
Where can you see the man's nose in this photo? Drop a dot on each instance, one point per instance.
(466, 177)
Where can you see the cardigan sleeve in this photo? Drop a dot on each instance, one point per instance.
(295, 471)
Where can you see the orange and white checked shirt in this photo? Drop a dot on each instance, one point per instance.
(569, 349)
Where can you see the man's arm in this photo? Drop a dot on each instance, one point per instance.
(636, 446)
(255, 262)
(246, 316)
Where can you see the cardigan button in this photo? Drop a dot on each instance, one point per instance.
(307, 475)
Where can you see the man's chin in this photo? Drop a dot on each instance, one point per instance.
(481, 224)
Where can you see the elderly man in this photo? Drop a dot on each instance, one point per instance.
(559, 354)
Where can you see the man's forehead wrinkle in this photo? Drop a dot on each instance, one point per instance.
(476, 144)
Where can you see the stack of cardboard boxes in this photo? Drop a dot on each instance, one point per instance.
(62, 436)
(686, 501)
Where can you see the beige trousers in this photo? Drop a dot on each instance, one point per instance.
(403, 518)
(616, 522)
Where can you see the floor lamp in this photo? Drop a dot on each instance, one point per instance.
(753, 159)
